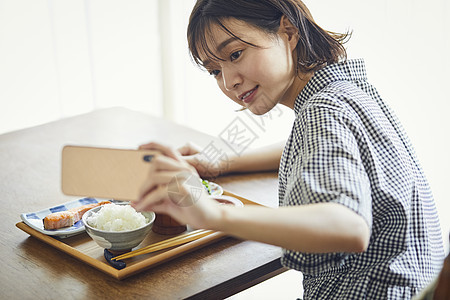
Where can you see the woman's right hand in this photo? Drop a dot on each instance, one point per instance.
(206, 167)
(174, 188)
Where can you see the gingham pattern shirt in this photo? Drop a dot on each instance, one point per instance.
(347, 147)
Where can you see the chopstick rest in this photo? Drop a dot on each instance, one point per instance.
(118, 264)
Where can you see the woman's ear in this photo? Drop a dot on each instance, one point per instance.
(287, 28)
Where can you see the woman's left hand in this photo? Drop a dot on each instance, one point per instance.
(173, 187)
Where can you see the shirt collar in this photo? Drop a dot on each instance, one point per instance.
(350, 70)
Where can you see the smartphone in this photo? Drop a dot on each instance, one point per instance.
(104, 172)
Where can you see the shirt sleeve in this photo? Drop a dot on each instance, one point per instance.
(328, 166)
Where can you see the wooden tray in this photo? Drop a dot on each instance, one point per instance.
(85, 249)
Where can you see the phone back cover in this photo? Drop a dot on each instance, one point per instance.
(103, 172)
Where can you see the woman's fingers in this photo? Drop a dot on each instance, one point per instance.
(175, 161)
(164, 177)
(164, 163)
(163, 170)
(204, 168)
(172, 183)
(165, 150)
(189, 149)
(185, 189)
(155, 197)
(181, 188)
(189, 154)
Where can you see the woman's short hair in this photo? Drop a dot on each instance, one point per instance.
(316, 47)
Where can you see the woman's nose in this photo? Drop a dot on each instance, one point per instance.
(231, 78)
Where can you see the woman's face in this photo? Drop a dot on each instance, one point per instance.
(255, 77)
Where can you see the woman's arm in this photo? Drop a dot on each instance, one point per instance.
(262, 159)
(318, 228)
(315, 228)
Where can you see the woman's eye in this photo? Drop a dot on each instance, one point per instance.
(214, 73)
(235, 55)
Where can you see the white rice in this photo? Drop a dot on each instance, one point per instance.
(112, 217)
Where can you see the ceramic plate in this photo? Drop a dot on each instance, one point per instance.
(34, 219)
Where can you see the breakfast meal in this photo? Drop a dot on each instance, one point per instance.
(69, 217)
(117, 218)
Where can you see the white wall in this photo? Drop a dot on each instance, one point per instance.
(60, 58)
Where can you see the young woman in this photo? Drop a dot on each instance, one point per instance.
(356, 214)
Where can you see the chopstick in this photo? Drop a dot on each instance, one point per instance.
(175, 241)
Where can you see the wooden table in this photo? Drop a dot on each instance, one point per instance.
(30, 181)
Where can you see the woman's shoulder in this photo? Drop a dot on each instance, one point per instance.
(334, 85)
(338, 96)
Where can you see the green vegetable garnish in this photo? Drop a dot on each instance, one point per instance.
(206, 185)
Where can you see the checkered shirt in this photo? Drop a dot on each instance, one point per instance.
(347, 147)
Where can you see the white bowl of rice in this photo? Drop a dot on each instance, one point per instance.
(117, 227)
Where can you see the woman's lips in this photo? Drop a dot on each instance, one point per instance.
(248, 96)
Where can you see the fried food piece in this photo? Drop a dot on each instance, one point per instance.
(69, 217)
